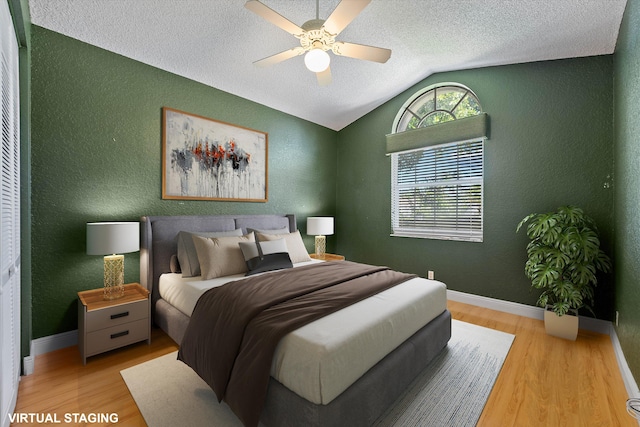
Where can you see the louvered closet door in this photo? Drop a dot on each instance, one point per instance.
(9, 218)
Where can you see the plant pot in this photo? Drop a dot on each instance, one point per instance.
(561, 326)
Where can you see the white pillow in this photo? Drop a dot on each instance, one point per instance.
(283, 230)
(295, 245)
(221, 256)
(187, 255)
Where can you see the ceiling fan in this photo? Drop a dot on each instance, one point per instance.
(318, 36)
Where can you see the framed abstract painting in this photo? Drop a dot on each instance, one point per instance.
(205, 159)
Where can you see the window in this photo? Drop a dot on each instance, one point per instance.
(437, 163)
(435, 105)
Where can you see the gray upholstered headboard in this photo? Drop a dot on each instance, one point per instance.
(159, 238)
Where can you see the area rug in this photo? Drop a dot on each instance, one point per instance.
(451, 391)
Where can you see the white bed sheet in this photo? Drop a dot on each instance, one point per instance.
(183, 292)
(323, 358)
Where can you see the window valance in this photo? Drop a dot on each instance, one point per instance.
(455, 130)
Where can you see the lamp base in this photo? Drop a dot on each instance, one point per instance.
(321, 246)
(113, 277)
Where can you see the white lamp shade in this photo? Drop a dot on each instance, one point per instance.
(317, 60)
(320, 225)
(105, 238)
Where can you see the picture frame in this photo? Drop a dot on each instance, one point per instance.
(206, 159)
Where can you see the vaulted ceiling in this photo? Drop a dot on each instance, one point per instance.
(215, 42)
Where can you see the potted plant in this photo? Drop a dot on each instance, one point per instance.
(564, 256)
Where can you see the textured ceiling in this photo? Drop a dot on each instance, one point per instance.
(215, 42)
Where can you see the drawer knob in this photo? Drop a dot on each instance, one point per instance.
(119, 334)
(119, 315)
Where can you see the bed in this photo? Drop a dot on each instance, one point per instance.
(361, 397)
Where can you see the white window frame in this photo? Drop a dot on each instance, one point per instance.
(440, 223)
(410, 107)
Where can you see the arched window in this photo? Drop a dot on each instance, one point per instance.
(437, 158)
(437, 104)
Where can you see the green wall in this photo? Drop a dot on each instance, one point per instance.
(96, 153)
(96, 156)
(550, 145)
(627, 200)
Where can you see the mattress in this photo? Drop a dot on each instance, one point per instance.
(323, 358)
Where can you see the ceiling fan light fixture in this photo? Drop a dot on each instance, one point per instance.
(318, 36)
(317, 60)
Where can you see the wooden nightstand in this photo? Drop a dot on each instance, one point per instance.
(328, 257)
(105, 325)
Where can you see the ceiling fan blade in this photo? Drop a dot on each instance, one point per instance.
(343, 14)
(360, 51)
(274, 17)
(324, 77)
(279, 57)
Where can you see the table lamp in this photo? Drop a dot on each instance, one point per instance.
(113, 239)
(320, 226)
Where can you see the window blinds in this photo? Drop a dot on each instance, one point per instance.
(437, 191)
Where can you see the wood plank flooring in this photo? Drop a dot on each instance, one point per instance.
(548, 381)
(545, 381)
(61, 384)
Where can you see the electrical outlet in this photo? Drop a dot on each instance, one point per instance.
(430, 275)
(617, 317)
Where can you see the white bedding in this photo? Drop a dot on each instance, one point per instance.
(322, 359)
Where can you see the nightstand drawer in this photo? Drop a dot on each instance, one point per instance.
(105, 325)
(117, 336)
(116, 315)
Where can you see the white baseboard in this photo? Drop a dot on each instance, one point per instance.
(588, 323)
(28, 362)
(45, 345)
(629, 382)
(54, 342)
(496, 304)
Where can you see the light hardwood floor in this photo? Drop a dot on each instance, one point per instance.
(545, 381)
